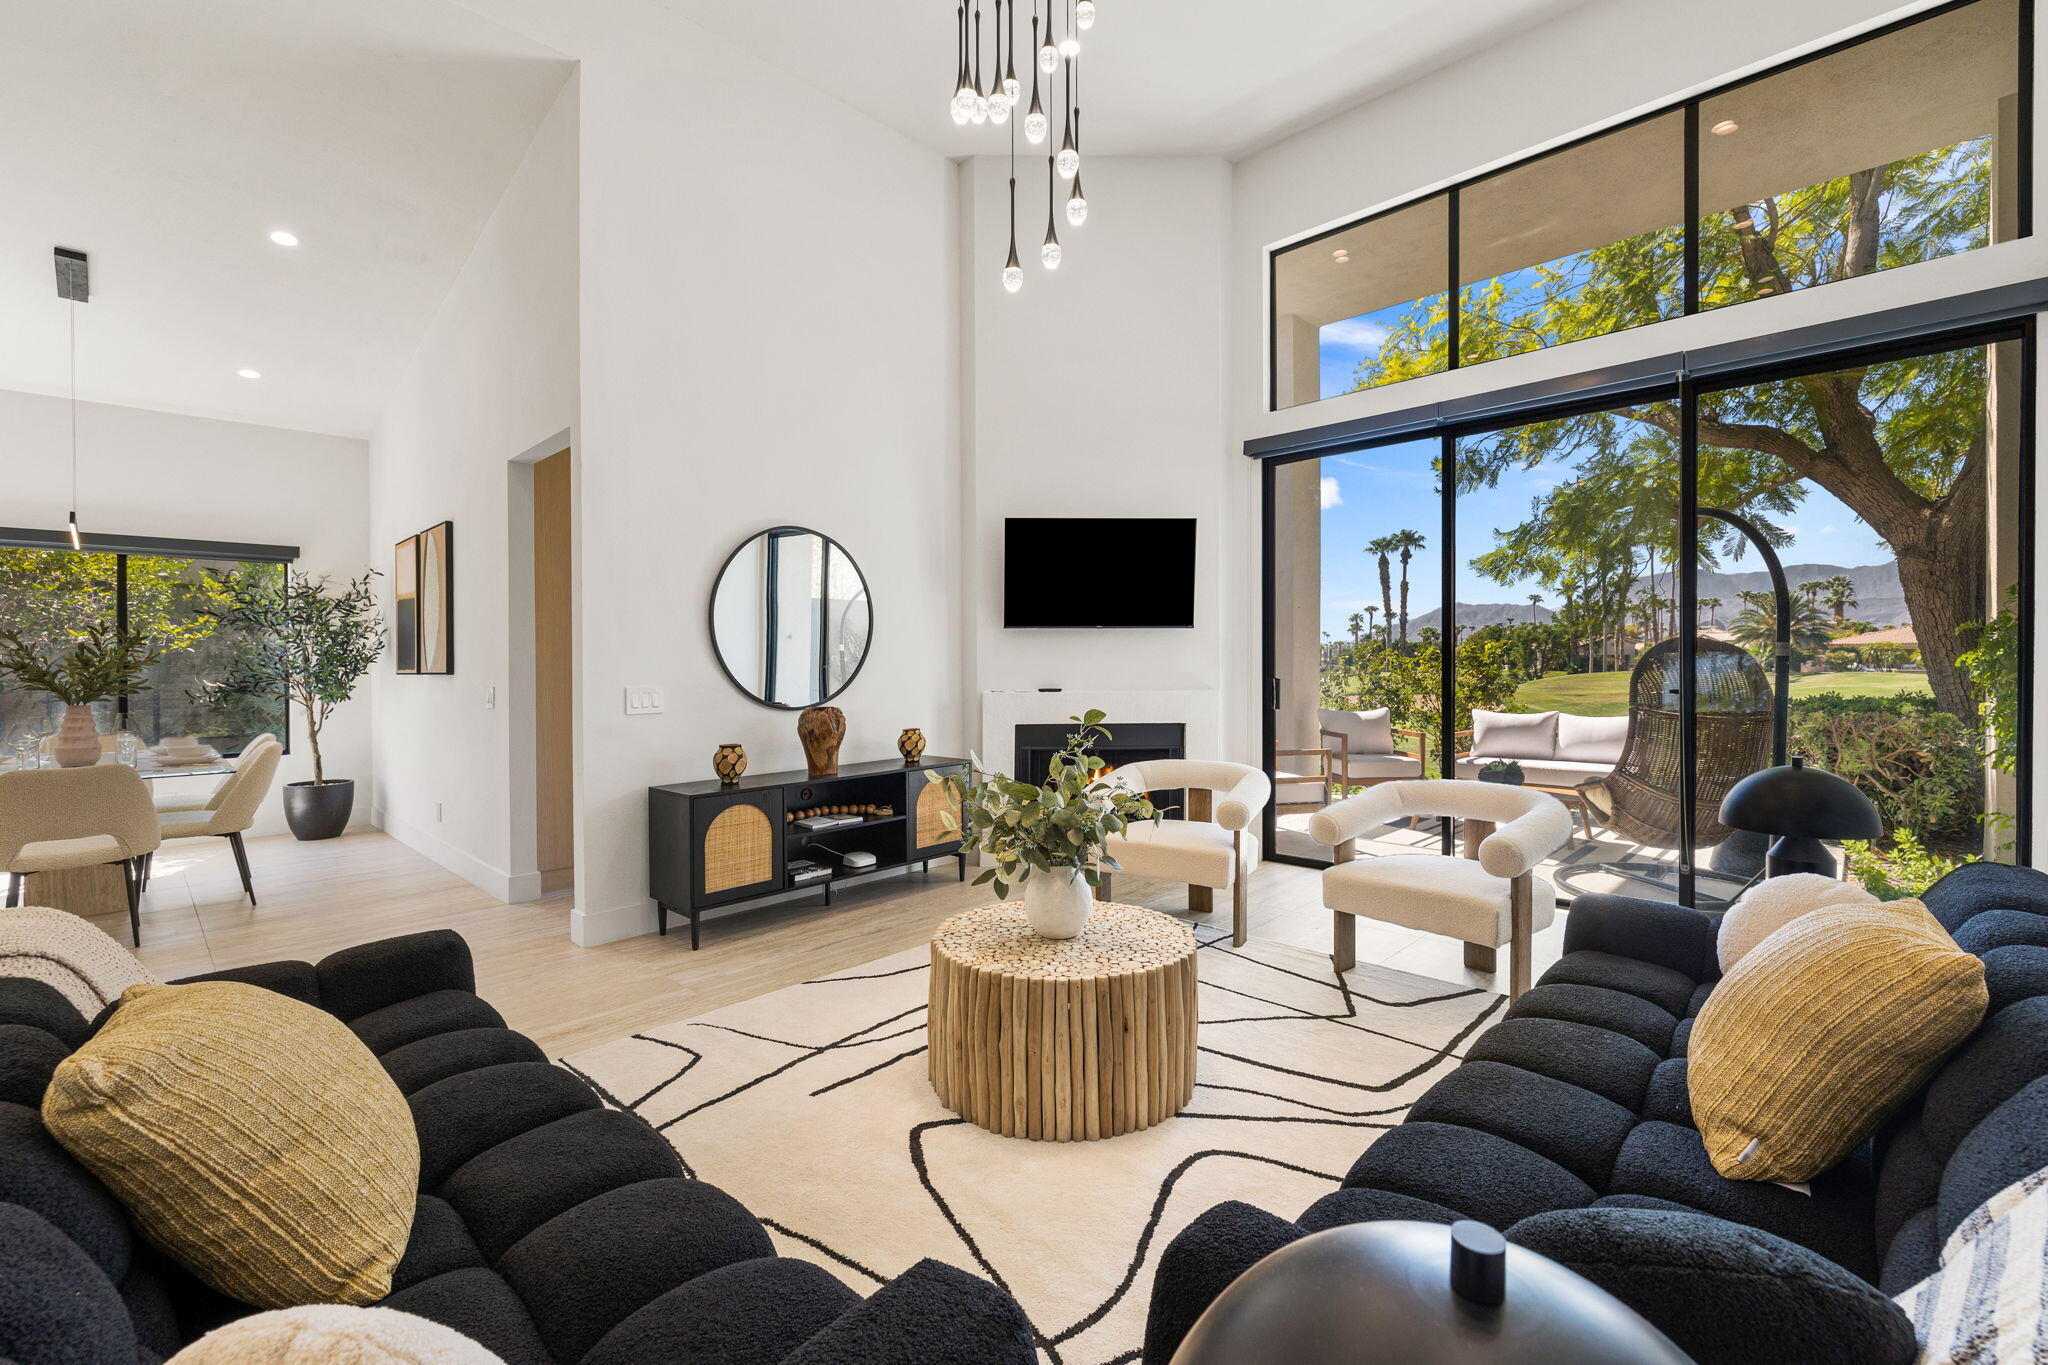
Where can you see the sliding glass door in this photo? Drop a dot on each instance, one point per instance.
(1591, 554)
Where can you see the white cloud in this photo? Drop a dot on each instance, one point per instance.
(1361, 333)
(1332, 495)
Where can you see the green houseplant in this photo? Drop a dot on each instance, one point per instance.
(1049, 839)
(313, 643)
(102, 661)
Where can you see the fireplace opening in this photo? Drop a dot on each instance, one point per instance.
(1128, 743)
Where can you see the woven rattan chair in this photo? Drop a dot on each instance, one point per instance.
(1641, 800)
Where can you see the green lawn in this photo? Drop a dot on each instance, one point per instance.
(1606, 694)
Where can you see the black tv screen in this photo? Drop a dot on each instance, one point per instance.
(1147, 578)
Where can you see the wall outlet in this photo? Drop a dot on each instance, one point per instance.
(490, 699)
(643, 701)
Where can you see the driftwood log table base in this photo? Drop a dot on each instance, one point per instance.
(1063, 1040)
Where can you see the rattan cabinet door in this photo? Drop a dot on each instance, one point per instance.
(739, 840)
(929, 803)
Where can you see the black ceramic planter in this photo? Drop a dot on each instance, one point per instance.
(318, 812)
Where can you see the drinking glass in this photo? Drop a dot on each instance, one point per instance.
(127, 745)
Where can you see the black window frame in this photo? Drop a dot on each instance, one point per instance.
(123, 547)
(1685, 388)
(2023, 155)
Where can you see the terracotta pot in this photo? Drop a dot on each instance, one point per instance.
(78, 739)
(318, 812)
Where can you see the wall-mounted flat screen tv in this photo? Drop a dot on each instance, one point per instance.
(1146, 580)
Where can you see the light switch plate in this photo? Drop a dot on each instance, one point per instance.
(490, 699)
(643, 700)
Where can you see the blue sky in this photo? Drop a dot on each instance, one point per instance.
(1370, 493)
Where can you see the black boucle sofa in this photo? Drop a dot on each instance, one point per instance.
(550, 1228)
(1568, 1126)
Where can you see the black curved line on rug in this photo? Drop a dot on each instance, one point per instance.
(814, 1243)
(810, 1052)
(871, 976)
(1166, 1187)
(1341, 983)
(1435, 1058)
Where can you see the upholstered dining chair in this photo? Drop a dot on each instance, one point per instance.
(1212, 848)
(59, 819)
(241, 797)
(183, 801)
(1487, 901)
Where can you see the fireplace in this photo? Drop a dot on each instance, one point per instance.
(1129, 743)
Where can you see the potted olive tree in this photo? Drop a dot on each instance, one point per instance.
(312, 643)
(102, 661)
(1049, 839)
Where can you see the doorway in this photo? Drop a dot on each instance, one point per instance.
(554, 699)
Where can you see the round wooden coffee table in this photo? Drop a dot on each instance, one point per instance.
(1063, 1040)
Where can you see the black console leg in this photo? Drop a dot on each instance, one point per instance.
(694, 914)
(828, 892)
(661, 916)
(963, 865)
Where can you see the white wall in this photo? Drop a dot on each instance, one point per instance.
(194, 478)
(1097, 390)
(494, 378)
(1589, 68)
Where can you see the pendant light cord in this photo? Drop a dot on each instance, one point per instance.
(74, 409)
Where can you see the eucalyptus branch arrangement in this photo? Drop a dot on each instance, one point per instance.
(1063, 824)
(101, 661)
(313, 643)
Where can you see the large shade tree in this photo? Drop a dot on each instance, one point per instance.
(1902, 444)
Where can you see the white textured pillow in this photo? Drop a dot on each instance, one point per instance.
(1370, 732)
(1984, 1306)
(1510, 734)
(334, 1334)
(1775, 902)
(1590, 739)
(56, 947)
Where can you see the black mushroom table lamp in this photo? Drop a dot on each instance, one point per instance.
(1799, 806)
(1419, 1294)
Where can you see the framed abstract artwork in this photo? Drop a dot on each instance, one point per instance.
(437, 599)
(405, 582)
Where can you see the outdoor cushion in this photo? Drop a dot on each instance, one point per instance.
(1369, 732)
(1540, 772)
(1506, 734)
(1591, 739)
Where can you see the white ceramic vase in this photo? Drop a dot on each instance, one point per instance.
(1058, 902)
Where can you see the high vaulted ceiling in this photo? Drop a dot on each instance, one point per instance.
(168, 138)
(1158, 77)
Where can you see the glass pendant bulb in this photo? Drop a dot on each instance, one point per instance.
(1077, 203)
(1049, 252)
(962, 107)
(1011, 89)
(961, 104)
(1013, 271)
(1084, 15)
(998, 109)
(1048, 54)
(1036, 125)
(1070, 46)
(980, 114)
(1069, 162)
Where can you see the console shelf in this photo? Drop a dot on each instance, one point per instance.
(713, 844)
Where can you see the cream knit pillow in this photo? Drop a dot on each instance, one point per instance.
(56, 947)
(333, 1334)
(1775, 902)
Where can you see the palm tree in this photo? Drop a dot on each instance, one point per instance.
(1407, 543)
(1384, 547)
(1812, 587)
(1371, 612)
(1756, 629)
(1840, 595)
(1713, 606)
(1357, 624)
(1535, 600)
(1758, 598)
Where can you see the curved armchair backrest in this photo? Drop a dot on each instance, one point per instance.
(1530, 825)
(76, 803)
(1244, 790)
(242, 795)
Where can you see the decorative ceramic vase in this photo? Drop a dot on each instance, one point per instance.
(821, 728)
(319, 811)
(1058, 902)
(911, 744)
(730, 763)
(78, 739)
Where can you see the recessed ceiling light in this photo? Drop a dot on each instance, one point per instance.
(1341, 256)
(250, 374)
(283, 238)
(1724, 127)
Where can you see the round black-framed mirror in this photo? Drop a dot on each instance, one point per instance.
(791, 620)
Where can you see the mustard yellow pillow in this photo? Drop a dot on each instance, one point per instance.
(1820, 1029)
(251, 1136)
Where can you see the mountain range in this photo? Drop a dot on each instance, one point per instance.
(1879, 599)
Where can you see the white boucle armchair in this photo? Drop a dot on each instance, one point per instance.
(1487, 901)
(1212, 849)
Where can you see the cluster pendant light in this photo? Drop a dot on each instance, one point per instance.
(975, 101)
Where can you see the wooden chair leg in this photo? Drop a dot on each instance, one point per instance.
(1240, 907)
(242, 864)
(131, 881)
(1521, 916)
(1344, 952)
(1200, 900)
(1480, 957)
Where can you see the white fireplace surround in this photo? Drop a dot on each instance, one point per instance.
(1200, 713)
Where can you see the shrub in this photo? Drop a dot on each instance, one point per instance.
(1905, 869)
(1841, 660)
(1919, 764)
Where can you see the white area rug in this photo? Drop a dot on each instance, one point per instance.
(811, 1106)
